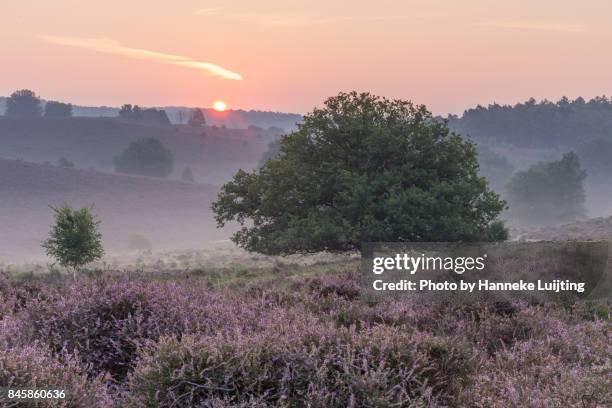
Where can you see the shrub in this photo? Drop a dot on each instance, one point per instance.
(318, 366)
(103, 323)
(33, 367)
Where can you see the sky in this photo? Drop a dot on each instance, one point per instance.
(290, 55)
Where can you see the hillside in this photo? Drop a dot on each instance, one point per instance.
(214, 153)
(170, 213)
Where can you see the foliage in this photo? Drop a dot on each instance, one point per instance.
(187, 175)
(74, 239)
(548, 193)
(146, 157)
(23, 103)
(54, 109)
(135, 112)
(362, 168)
(295, 341)
(542, 124)
(32, 366)
(272, 151)
(325, 366)
(196, 118)
(64, 162)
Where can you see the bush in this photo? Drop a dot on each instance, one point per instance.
(316, 367)
(104, 323)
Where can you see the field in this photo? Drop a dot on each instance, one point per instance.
(222, 328)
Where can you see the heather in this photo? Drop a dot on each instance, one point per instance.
(289, 333)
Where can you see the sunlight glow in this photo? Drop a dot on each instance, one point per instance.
(219, 106)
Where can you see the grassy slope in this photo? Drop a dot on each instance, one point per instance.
(171, 213)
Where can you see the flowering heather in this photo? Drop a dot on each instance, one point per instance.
(183, 340)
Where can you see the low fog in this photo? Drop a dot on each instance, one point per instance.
(549, 161)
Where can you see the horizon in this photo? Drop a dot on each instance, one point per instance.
(239, 109)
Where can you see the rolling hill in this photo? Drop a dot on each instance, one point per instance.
(213, 153)
(171, 214)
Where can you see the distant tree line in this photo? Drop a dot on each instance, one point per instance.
(135, 112)
(544, 124)
(25, 103)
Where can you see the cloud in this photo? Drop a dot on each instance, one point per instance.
(565, 28)
(109, 46)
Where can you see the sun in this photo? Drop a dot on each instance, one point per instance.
(219, 106)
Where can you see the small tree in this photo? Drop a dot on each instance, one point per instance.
(197, 118)
(55, 109)
(23, 103)
(145, 157)
(187, 175)
(74, 239)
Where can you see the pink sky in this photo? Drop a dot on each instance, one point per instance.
(289, 55)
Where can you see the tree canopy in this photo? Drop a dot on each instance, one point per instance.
(146, 157)
(548, 193)
(544, 124)
(362, 168)
(23, 103)
(74, 239)
(135, 112)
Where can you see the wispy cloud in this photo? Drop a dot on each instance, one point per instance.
(292, 20)
(110, 46)
(517, 25)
